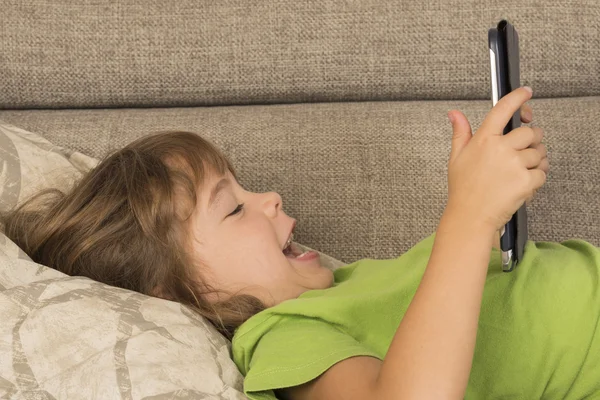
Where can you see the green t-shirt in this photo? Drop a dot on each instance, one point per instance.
(536, 338)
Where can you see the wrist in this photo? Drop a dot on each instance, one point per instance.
(454, 221)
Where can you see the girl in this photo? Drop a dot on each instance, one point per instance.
(165, 216)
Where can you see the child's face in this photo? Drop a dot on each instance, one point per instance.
(242, 253)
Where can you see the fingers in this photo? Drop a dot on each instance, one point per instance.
(460, 123)
(537, 178)
(461, 132)
(526, 114)
(530, 158)
(530, 198)
(503, 111)
(524, 137)
(544, 165)
(541, 148)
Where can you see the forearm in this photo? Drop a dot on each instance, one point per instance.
(432, 350)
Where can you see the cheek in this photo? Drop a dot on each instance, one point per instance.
(255, 234)
(248, 252)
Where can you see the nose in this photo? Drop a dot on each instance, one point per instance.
(272, 203)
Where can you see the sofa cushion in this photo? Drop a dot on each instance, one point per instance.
(362, 179)
(63, 54)
(74, 338)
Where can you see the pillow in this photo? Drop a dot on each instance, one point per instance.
(72, 337)
(29, 163)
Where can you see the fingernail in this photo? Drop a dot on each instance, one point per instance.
(451, 117)
(528, 115)
(530, 90)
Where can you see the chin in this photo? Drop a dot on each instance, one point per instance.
(327, 280)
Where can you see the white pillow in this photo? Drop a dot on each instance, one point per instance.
(72, 337)
(28, 163)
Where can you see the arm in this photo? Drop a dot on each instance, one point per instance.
(490, 175)
(431, 353)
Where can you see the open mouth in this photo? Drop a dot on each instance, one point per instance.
(291, 251)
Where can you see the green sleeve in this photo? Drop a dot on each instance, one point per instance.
(286, 351)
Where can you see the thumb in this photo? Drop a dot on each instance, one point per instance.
(461, 132)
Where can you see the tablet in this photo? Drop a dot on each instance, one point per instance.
(505, 77)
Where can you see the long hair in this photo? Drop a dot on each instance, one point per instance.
(126, 224)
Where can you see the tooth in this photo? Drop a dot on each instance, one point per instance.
(289, 241)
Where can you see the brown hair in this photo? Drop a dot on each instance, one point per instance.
(125, 223)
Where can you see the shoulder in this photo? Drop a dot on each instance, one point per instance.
(290, 350)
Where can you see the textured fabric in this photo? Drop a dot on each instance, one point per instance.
(538, 334)
(83, 53)
(362, 179)
(73, 338)
(30, 163)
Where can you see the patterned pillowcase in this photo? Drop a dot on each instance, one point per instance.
(72, 337)
(28, 163)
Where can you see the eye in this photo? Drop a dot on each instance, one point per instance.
(239, 208)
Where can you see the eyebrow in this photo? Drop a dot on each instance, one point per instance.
(214, 194)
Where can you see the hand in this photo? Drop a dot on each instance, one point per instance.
(527, 117)
(491, 175)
